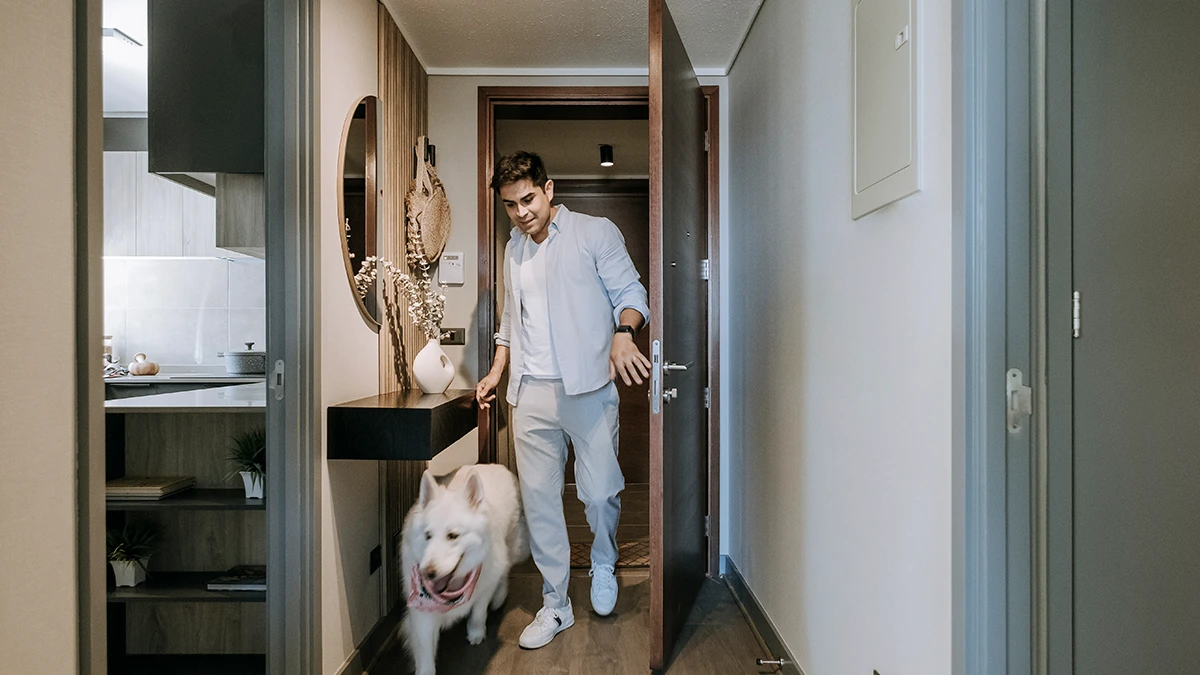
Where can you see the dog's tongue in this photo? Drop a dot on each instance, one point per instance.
(448, 584)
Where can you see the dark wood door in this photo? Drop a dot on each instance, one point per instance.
(678, 334)
(1135, 212)
(625, 202)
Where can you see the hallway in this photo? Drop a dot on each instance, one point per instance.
(717, 640)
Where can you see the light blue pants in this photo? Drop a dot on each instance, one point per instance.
(543, 419)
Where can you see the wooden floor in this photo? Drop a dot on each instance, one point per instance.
(717, 640)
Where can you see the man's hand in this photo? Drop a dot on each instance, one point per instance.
(624, 358)
(485, 391)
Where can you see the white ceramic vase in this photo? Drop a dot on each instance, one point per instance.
(253, 483)
(128, 572)
(432, 368)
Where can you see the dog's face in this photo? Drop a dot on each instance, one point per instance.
(450, 537)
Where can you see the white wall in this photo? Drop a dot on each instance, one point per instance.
(38, 612)
(842, 393)
(349, 350)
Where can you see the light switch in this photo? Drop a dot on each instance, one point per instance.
(450, 270)
(901, 37)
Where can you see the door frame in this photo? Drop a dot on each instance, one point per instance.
(489, 99)
(1001, 117)
(293, 419)
(294, 413)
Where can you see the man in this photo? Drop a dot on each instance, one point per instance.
(573, 304)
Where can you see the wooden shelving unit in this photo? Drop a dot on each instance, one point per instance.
(194, 499)
(211, 527)
(182, 587)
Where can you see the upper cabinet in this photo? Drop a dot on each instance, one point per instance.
(120, 203)
(206, 86)
(145, 214)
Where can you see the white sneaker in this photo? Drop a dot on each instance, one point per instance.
(548, 623)
(604, 589)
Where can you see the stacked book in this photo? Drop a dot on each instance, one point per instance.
(147, 489)
(241, 578)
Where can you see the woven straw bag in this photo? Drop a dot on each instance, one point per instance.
(428, 209)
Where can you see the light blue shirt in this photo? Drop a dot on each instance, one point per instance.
(590, 279)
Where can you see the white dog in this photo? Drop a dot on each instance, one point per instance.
(460, 540)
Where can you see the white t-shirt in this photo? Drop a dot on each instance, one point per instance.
(540, 359)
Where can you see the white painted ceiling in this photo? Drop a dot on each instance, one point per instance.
(571, 148)
(125, 64)
(489, 36)
(499, 35)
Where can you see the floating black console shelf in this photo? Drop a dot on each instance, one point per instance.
(402, 425)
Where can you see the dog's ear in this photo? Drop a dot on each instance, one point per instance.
(428, 487)
(474, 490)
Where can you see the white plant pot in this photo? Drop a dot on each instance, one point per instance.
(128, 573)
(432, 368)
(253, 483)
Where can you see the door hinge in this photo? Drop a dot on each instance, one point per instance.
(277, 380)
(706, 140)
(1075, 314)
(705, 270)
(706, 529)
(1018, 399)
(707, 397)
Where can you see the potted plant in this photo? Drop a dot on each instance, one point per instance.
(248, 454)
(129, 549)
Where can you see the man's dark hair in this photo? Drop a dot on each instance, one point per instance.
(517, 167)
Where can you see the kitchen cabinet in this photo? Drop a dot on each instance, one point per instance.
(160, 213)
(242, 213)
(146, 214)
(120, 203)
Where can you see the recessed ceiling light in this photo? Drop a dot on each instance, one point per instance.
(606, 155)
(120, 35)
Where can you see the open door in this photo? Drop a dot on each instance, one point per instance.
(678, 336)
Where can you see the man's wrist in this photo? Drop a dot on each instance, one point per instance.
(625, 329)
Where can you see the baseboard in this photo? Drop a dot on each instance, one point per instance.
(758, 618)
(362, 660)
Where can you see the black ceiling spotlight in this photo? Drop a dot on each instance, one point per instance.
(606, 155)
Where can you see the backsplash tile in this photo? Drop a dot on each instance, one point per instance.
(114, 325)
(179, 283)
(115, 285)
(248, 284)
(183, 311)
(178, 336)
(247, 325)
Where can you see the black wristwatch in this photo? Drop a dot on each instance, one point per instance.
(625, 329)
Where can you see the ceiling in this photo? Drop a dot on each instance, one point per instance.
(125, 64)
(571, 148)
(478, 37)
(496, 36)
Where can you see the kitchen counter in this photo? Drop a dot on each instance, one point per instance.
(185, 378)
(237, 398)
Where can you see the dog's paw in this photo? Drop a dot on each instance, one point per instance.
(476, 634)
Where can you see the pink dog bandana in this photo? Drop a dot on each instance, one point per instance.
(424, 599)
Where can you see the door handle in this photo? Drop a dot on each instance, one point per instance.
(668, 367)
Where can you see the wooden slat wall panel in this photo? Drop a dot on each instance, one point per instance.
(195, 445)
(404, 105)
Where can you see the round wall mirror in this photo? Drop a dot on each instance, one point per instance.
(357, 201)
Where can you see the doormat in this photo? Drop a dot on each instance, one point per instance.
(629, 554)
